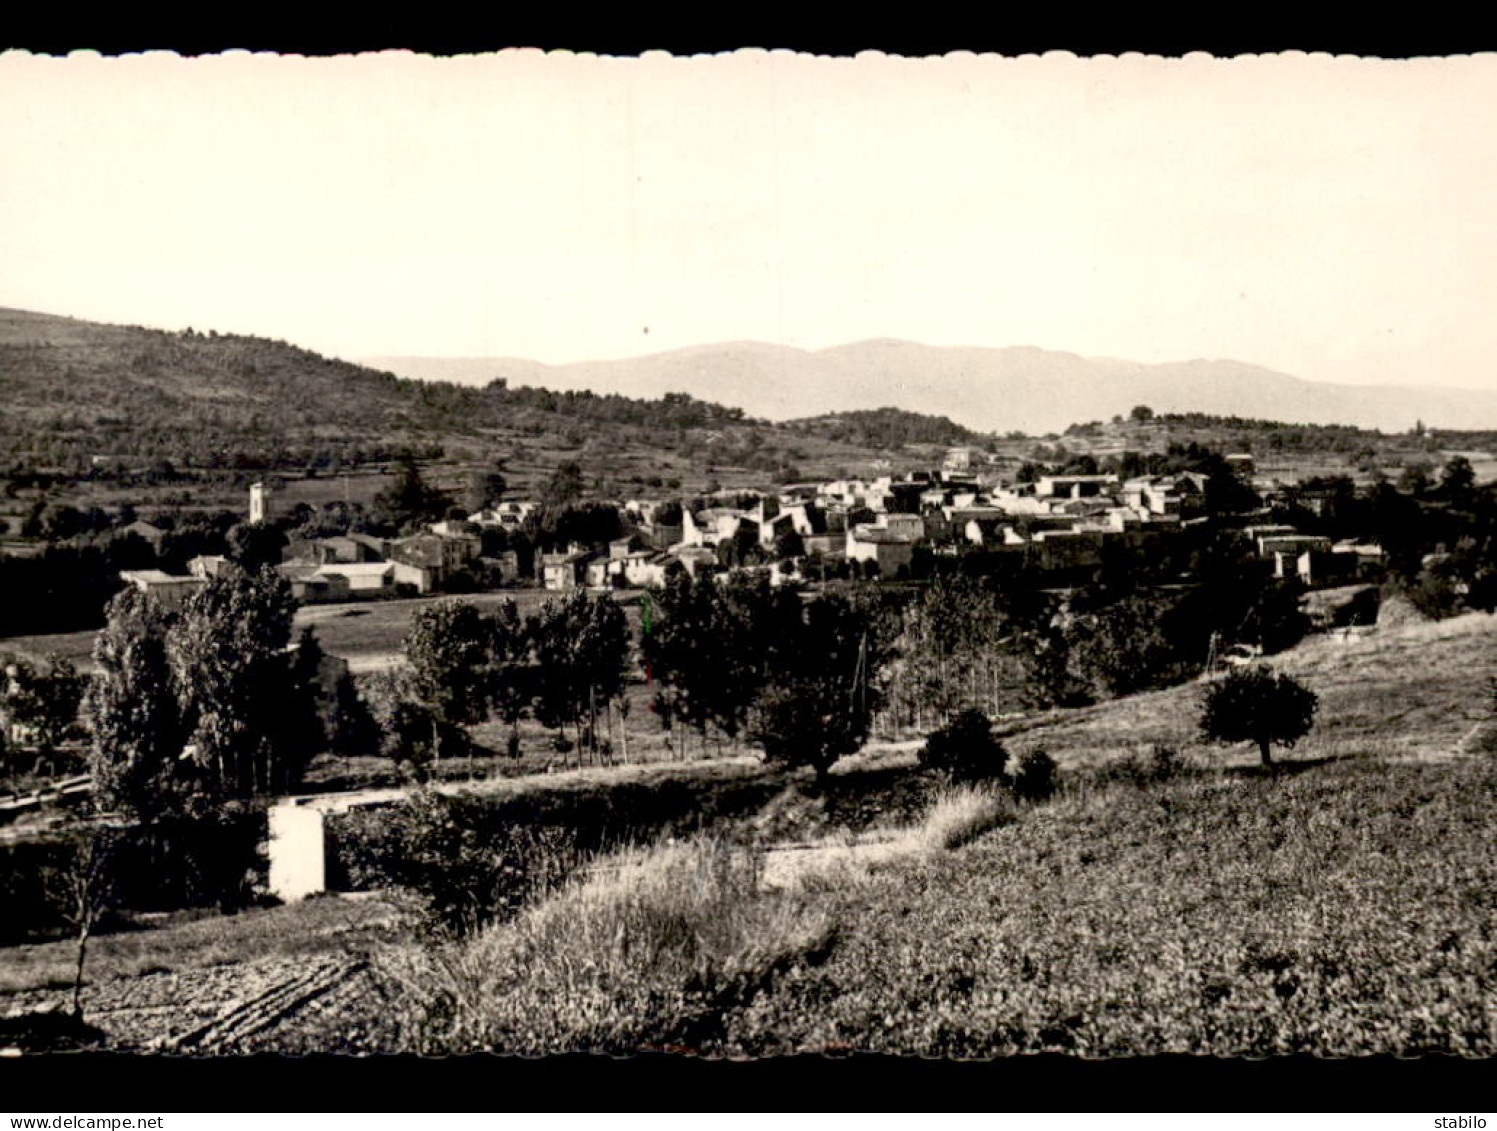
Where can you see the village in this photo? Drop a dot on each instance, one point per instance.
(885, 528)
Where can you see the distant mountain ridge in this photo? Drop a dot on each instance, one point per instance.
(1022, 388)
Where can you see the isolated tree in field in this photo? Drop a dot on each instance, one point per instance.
(88, 885)
(131, 710)
(1258, 705)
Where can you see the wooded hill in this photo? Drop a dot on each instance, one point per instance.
(83, 398)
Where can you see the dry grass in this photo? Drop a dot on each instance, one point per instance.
(648, 948)
(652, 946)
(961, 814)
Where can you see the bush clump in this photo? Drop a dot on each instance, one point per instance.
(467, 874)
(1035, 776)
(964, 750)
(1162, 763)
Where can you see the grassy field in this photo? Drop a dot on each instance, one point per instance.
(187, 941)
(1342, 911)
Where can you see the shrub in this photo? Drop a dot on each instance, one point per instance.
(964, 750)
(1035, 776)
(467, 875)
(1162, 763)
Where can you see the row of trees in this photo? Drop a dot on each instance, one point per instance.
(733, 660)
(1004, 642)
(566, 667)
(739, 658)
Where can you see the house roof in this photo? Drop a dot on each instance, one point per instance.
(352, 570)
(878, 537)
(157, 577)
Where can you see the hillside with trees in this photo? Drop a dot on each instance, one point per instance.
(91, 400)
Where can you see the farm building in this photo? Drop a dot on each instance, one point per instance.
(166, 588)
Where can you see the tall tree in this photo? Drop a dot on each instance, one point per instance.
(132, 712)
(410, 501)
(1457, 480)
(89, 885)
(818, 706)
(447, 649)
(231, 669)
(561, 492)
(351, 728)
(1120, 649)
(483, 488)
(603, 647)
(510, 686)
(561, 675)
(710, 644)
(256, 545)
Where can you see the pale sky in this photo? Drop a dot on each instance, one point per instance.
(1335, 218)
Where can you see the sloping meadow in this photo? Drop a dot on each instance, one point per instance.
(1348, 909)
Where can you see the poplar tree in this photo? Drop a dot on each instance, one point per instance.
(132, 711)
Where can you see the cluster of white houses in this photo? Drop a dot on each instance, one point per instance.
(1058, 522)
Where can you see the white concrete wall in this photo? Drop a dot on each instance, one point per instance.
(297, 852)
